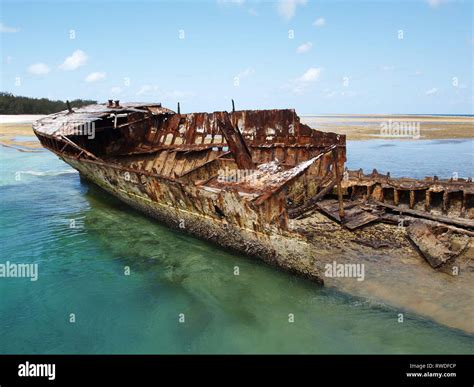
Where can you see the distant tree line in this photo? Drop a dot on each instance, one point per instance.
(12, 104)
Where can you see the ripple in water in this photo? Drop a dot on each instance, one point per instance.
(81, 271)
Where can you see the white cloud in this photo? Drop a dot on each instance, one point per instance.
(287, 8)
(39, 69)
(94, 77)
(76, 60)
(432, 91)
(246, 73)
(435, 3)
(310, 75)
(300, 84)
(304, 48)
(321, 22)
(6, 29)
(387, 68)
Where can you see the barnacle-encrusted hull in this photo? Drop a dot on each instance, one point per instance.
(262, 183)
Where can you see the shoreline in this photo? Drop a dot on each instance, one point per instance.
(394, 127)
(356, 128)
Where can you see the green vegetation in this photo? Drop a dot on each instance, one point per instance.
(12, 104)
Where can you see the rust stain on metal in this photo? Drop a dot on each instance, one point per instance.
(238, 178)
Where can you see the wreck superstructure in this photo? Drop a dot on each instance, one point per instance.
(188, 168)
(256, 181)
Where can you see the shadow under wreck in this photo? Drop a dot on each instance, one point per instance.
(262, 183)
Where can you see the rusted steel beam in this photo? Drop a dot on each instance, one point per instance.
(368, 192)
(404, 183)
(67, 140)
(463, 204)
(133, 122)
(412, 199)
(396, 196)
(338, 182)
(298, 172)
(427, 200)
(64, 147)
(439, 218)
(236, 142)
(445, 201)
(296, 212)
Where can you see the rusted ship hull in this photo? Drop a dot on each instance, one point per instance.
(262, 183)
(283, 249)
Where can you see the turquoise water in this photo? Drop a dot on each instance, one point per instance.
(81, 271)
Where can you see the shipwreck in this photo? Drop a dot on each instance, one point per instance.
(262, 183)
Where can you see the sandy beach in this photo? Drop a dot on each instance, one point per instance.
(19, 118)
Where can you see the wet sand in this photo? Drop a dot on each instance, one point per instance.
(16, 132)
(367, 127)
(18, 136)
(397, 276)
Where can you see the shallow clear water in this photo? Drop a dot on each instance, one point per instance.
(413, 158)
(81, 271)
(24, 138)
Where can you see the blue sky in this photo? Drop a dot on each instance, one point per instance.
(319, 57)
